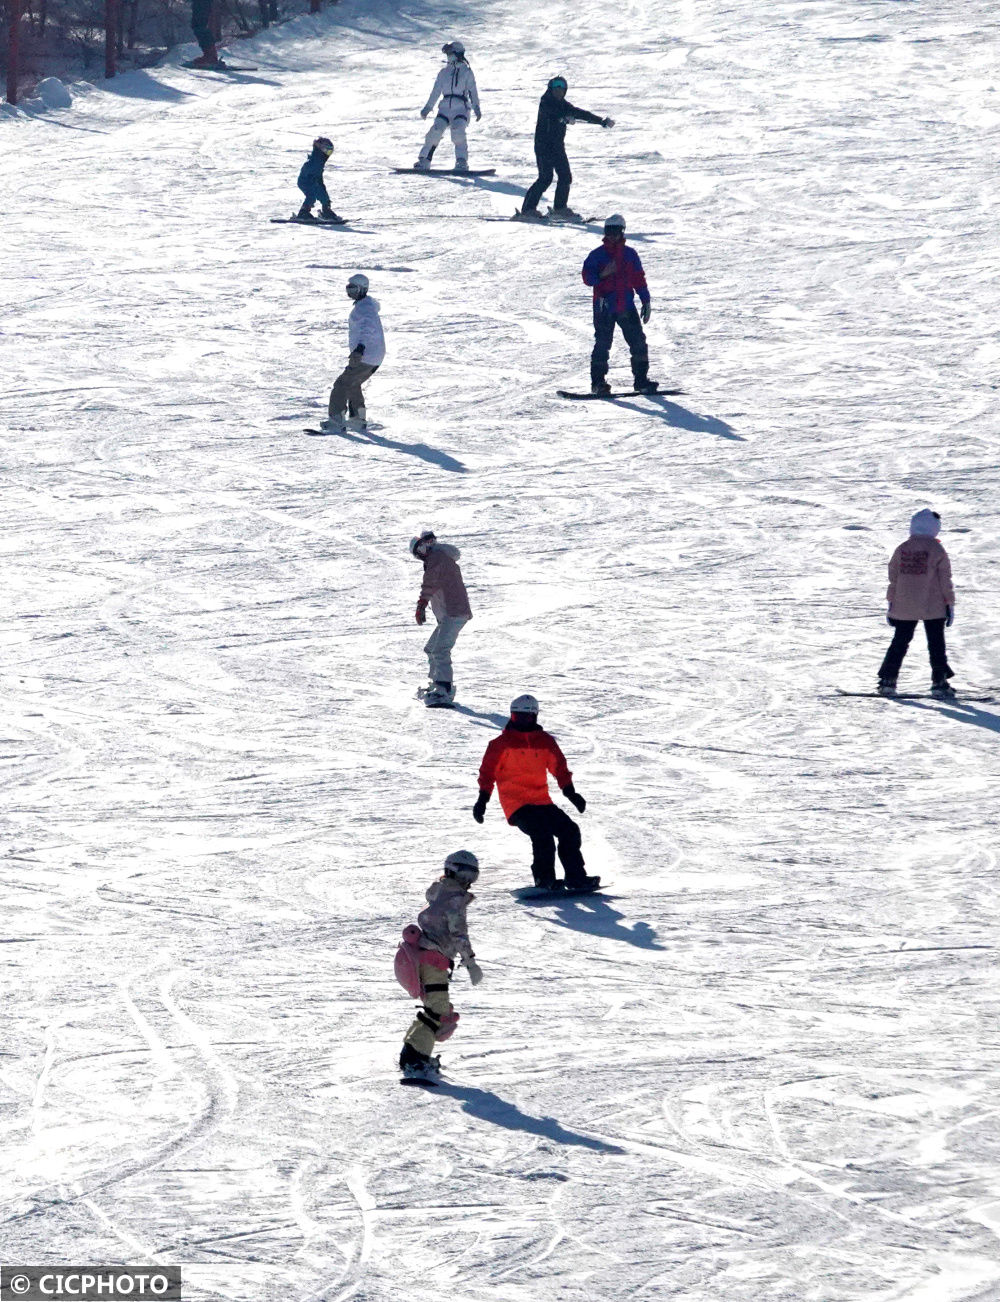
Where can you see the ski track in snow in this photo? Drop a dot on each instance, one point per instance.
(762, 1066)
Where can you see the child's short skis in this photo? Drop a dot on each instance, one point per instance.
(425, 962)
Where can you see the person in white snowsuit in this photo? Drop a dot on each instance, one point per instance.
(367, 352)
(454, 93)
(444, 590)
(444, 938)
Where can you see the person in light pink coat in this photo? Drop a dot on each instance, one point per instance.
(919, 589)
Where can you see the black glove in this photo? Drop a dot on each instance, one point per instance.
(359, 349)
(608, 122)
(949, 616)
(574, 798)
(479, 808)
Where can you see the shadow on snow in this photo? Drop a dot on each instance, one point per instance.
(956, 710)
(680, 418)
(489, 1107)
(500, 720)
(594, 915)
(421, 450)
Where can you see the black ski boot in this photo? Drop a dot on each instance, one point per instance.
(329, 215)
(304, 214)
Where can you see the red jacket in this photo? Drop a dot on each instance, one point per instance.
(519, 764)
(617, 291)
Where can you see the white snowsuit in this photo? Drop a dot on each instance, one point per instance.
(455, 87)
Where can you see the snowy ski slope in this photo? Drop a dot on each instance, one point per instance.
(764, 1065)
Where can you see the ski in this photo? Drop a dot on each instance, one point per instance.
(959, 698)
(444, 171)
(617, 393)
(220, 67)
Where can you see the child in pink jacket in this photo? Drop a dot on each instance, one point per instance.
(919, 589)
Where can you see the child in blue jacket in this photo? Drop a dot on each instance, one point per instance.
(311, 183)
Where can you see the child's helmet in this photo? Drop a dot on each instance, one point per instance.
(421, 542)
(524, 705)
(454, 50)
(322, 143)
(615, 225)
(357, 286)
(463, 866)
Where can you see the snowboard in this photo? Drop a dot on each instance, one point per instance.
(958, 699)
(332, 433)
(616, 393)
(560, 893)
(220, 67)
(297, 221)
(444, 171)
(433, 705)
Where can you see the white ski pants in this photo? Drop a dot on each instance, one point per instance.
(439, 647)
(457, 120)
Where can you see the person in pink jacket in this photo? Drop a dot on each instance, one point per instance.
(444, 590)
(919, 589)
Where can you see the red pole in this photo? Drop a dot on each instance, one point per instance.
(13, 48)
(110, 36)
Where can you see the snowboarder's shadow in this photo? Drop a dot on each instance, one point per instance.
(492, 720)
(958, 710)
(487, 183)
(421, 450)
(680, 418)
(489, 1107)
(594, 915)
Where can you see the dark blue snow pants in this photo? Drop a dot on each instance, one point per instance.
(201, 23)
(605, 320)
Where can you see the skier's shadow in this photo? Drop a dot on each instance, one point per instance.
(680, 418)
(489, 1107)
(594, 915)
(422, 450)
(964, 713)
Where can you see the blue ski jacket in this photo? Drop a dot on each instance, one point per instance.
(311, 177)
(616, 291)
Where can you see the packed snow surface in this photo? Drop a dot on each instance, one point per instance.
(764, 1064)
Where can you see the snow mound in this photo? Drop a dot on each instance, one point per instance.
(54, 94)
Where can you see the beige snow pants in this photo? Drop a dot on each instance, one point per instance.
(427, 1023)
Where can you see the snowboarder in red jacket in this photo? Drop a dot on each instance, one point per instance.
(616, 275)
(518, 763)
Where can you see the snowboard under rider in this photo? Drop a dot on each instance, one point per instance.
(444, 590)
(454, 92)
(444, 937)
(554, 111)
(311, 183)
(920, 588)
(615, 273)
(367, 352)
(518, 763)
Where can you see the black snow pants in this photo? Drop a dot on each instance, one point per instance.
(901, 638)
(201, 23)
(549, 164)
(605, 320)
(547, 824)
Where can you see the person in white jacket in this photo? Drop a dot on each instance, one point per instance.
(367, 352)
(454, 93)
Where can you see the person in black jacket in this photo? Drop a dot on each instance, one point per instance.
(554, 111)
(312, 185)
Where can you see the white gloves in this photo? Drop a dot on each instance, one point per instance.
(474, 970)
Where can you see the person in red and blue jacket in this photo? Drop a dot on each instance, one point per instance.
(616, 274)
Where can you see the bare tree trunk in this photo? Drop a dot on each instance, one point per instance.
(110, 36)
(133, 19)
(13, 48)
(43, 14)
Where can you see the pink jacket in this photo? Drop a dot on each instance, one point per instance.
(442, 585)
(443, 921)
(920, 580)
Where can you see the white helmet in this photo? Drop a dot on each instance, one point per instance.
(454, 50)
(422, 540)
(462, 865)
(524, 705)
(615, 222)
(357, 286)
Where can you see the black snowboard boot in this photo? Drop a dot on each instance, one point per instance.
(942, 689)
(600, 387)
(646, 386)
(304, 214)
(887, 687)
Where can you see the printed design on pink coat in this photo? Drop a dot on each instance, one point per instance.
(913, 562)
